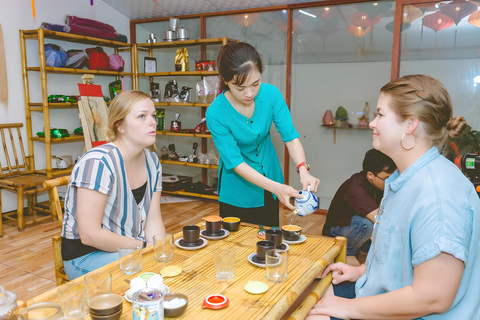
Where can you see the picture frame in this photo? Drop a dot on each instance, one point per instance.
(150, 65)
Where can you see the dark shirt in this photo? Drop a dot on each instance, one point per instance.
(356, 196)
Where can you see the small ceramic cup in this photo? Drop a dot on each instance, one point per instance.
(274, 235)
(262, 247)
(191, 233)
(291, 232)
(213, 224)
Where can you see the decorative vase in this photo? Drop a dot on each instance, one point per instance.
(328, 118)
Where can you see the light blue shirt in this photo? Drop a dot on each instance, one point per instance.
(430, 208)
(240, 139)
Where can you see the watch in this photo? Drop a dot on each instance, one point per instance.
(303, 164)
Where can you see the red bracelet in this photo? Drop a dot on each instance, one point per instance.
(303, 164)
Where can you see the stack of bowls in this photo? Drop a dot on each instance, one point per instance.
(106, 307)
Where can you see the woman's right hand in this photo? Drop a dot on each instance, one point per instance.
(343, 272)
(284, 193)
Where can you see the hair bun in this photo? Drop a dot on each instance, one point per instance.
(455, 126)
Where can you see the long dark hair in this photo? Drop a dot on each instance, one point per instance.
(237, 59)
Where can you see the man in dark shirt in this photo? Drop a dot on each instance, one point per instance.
(353, 208)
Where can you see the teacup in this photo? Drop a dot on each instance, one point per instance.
(291, 232)
(191, 233)
(307, 204)
(274, 235)
(262, 247)
(213, 224)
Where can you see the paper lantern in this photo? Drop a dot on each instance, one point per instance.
(358, 31)
(410, 14)
(328, 118)
(437, 21)
(475, 19)
(363, 20)
(246, 20)
(373, 9)
(390, 26)
(296, 24)
(458, 9)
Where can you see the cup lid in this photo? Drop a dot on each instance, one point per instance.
(215, 301)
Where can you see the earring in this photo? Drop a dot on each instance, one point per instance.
(407, 149)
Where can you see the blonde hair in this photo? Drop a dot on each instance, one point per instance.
(120, 108)
(425, 98)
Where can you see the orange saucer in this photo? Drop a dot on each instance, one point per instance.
(216, 301)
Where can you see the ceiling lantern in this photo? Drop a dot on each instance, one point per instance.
(458, 9)
(475, 19)
(246, 19)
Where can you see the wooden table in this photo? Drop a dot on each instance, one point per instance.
(305, 262)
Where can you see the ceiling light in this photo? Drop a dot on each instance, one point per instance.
(308, 14)
(476, 79)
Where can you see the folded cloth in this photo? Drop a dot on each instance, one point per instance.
(91, 31)
(55, 27)
(89, 23)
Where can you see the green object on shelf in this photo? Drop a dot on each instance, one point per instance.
(55, 133)
(341, 113)
(56, 98)
(78, 131)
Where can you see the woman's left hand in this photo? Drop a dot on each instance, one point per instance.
(333, 306)
(307, 179)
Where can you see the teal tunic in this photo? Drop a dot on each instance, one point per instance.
(239, 139)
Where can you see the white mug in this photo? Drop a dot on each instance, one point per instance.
(307, 204)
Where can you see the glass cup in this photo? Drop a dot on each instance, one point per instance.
(224, 260)
(163, 247)
(276, 264)
(97, 283)
(130, 260)
(73, 300)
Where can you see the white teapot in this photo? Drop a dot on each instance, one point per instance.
(307, 204)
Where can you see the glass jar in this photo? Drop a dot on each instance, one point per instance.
(8, 305)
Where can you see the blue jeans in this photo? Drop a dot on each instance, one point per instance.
(357, 233)
(89, 262)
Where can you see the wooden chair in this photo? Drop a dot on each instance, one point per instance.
(55, 203)
(19, 177)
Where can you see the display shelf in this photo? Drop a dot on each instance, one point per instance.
(57, 172)
(72, 138)
(185, 43)
(180, 73)
(44, 71)
(192, 194)
(334, 128)
(189, 164)
(180, 104)
(70, 37)
(179, 134)
(79, 71)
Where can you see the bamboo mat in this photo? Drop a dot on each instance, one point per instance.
(197, 280)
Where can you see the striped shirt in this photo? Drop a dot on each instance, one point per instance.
(102, 169)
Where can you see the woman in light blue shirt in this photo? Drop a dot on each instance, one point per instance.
(250, 178)
(424, 260)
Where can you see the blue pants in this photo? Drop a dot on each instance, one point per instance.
(357, 233)
(89, 262)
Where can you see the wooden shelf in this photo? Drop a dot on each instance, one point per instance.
(33, 34)
(79, 71)
(180, 73)
(38, 107)
(72, 138)
(192, 194)
(179, 134)
(334, 128)
(184, 43)
(181, 104)
(57, 172)
(189, 164)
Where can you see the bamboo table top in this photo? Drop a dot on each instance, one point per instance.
(197, 281)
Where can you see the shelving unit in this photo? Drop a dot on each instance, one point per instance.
(334, 128)
(149, 47)
(44, 106)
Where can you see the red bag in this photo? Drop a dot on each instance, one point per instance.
(98, 58)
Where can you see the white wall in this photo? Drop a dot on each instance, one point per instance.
(16, 15)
